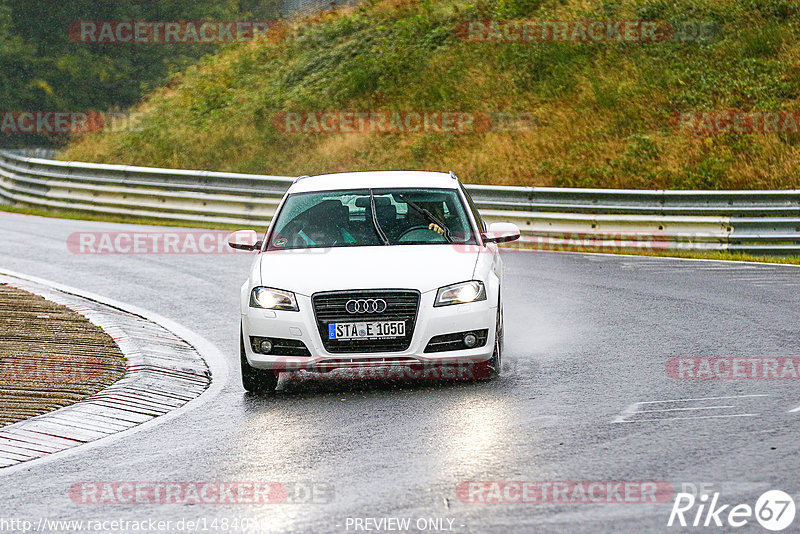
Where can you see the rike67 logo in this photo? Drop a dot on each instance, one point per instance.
(774, 510)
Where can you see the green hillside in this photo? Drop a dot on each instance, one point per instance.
(603, 113)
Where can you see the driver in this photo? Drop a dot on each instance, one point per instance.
(435, 209)
(324, 225)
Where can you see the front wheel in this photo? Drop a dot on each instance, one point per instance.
(491, 368)
(256, 380)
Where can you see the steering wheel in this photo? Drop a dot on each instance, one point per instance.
(421, 233)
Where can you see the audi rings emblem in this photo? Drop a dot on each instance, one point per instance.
(365, 306)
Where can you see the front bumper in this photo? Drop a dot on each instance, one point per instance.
(430, 322)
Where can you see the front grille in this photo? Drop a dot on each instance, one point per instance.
(401, 305)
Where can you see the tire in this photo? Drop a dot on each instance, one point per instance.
(256, 380)
(490, 368)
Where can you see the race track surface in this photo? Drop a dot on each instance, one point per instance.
(587, 338)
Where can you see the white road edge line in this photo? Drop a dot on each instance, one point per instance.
(794, 410)
(633, 408)
(698, 417)
(686, 409)
(216, 361)
(703, 398)
(627, 411)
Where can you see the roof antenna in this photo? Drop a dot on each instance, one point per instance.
(453, 175)
(300, 178)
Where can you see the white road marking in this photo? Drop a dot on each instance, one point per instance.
(686, 409)
(627, 411)
(698, 417)
(701, 399)
(794, 410)
(634, 410)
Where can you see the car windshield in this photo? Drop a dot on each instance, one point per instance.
(365, 217)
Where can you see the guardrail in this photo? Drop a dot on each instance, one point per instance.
(766, 222)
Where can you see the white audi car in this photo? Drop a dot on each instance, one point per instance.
(363, 269)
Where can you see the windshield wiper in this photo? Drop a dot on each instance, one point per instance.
(429, 216)
(375, 224)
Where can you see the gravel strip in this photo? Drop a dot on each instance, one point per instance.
(147, 369)
(50, 356)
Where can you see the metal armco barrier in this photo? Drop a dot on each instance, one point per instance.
(765, 222)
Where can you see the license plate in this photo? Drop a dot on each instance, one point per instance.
(368, 330)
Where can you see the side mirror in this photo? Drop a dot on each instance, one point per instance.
(501, 232)
(244, 240)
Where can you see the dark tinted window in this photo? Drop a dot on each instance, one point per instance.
(345, 218)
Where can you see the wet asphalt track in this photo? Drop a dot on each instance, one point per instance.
(586, 337)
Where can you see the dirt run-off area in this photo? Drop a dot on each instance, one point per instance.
(50, 356)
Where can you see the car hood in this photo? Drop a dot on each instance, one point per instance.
(421, 267)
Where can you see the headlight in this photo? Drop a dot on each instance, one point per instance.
(273, 299)
(471, 291)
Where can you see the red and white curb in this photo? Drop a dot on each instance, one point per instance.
(168, 369)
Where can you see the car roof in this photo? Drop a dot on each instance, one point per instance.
(374, 179)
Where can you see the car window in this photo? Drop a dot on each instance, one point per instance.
(405, 216)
